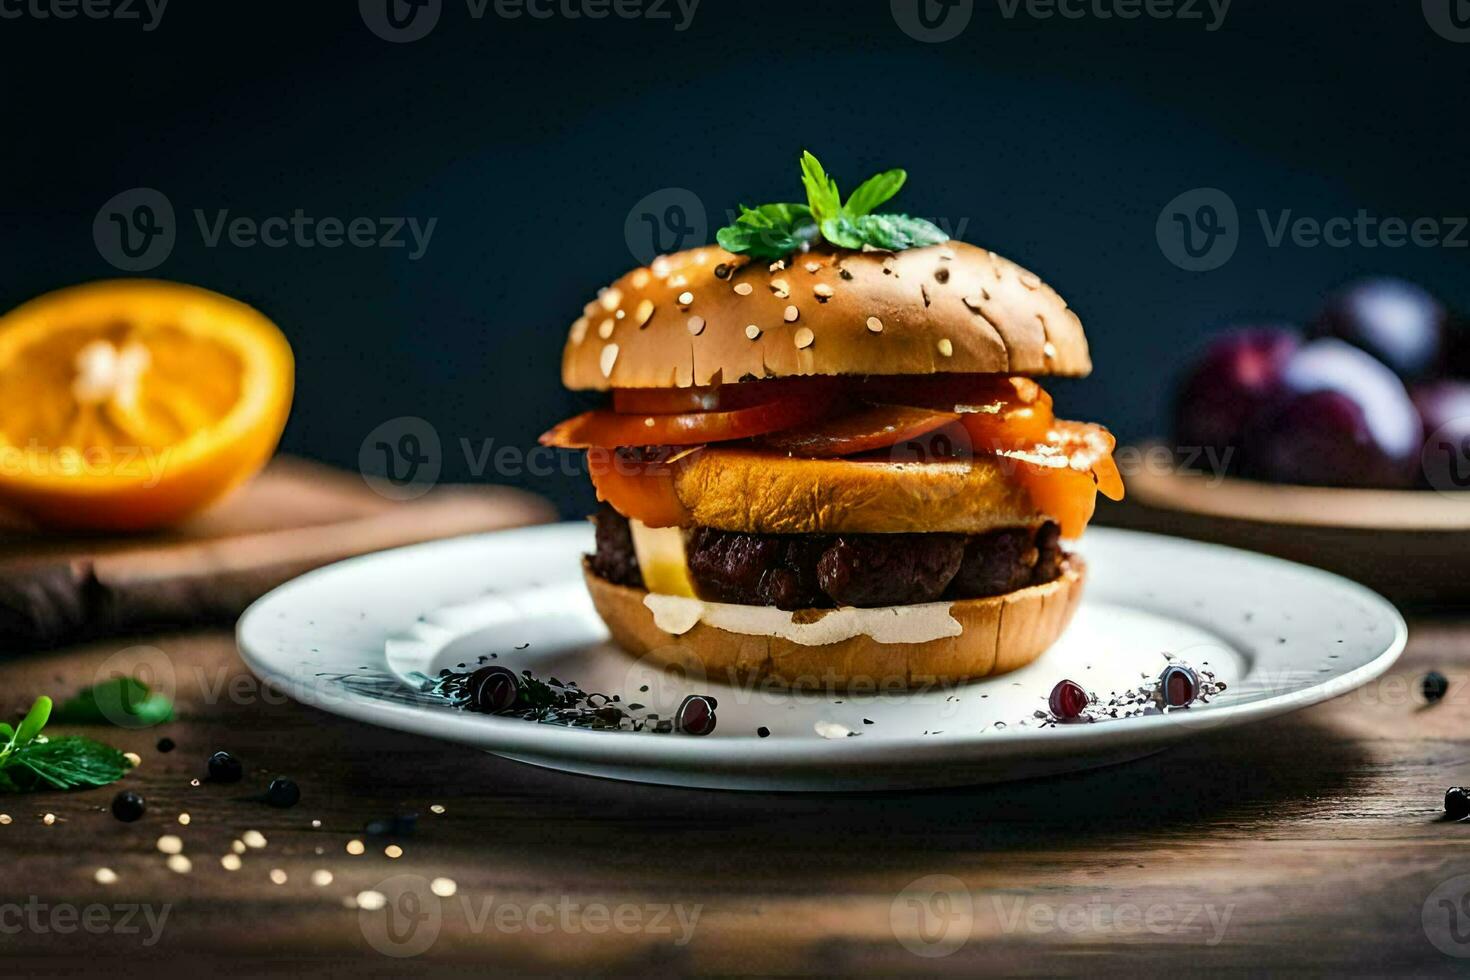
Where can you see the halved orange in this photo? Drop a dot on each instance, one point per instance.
(134, 403)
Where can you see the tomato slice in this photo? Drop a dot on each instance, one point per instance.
(960, 392)
(640, 484)
(863, 430)
(720, 398)
(609, 429)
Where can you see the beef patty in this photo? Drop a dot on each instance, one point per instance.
(816, 571)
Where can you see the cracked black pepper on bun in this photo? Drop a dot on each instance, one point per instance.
(825, 461)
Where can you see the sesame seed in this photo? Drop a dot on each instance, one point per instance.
(696, 325)
(605, 328)
(393, 851)
(608, 359)
(579, 329)
(875, 325)
(316, 825)
(791, 314)
(436, 808)
(743, 289)
(804, 338)
(778, 265)
(278, 876)
(194, 781)
(253, 839)
(238, 846)
(685, 298)
(4, 819)
(752, 331)
(620, 314)
(781, 288)
(231, 862)
(183, 820)
(679, 281)
(610, 298)
(660, 267)
(648, 421)
(946, 347)
(700, 257)
(443, 887)
(640, 278)
(170, 844)
(644, 313)
(1049, 349)
(814, 267)
(49, 819)
(355, 847)
(1030, 280)
(134, 759)
(179, 864)
(105, 876)
(824, 292)
(321, 877)
(371, 901)
(946, 254)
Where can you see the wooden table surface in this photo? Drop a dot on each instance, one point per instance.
(1313, 841)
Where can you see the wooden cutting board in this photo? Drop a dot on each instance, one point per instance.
(294, 517)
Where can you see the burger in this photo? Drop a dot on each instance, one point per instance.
(825, 459)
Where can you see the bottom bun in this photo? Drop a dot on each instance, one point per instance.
(995, 635)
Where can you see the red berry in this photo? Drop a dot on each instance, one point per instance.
(1068, 700)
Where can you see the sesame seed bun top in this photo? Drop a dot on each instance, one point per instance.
(705, 316)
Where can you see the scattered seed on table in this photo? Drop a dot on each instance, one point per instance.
(356, 847)
(316, 825)
(237, 846)
(231, 862)
(321, 877)
(134, 759)
(106, 876)
(48, 819)
(184, 819)
(4, 819)
(393, 851)
(436, 808)
(443, 887)
(180, 864)
(278, 876)
(371, 900)
(253, 839)
(170, 844)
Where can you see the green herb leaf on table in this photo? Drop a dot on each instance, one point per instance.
(772, 231)
(123, 701)
(30, 760)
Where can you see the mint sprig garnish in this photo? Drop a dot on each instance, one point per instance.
(123, 701)
(772, 231)
(30, 760)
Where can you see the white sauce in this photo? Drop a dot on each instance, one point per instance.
(831, 729)
(921, 623)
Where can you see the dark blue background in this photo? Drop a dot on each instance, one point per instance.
(1056, 142)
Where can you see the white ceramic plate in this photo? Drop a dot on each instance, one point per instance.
(362, 637)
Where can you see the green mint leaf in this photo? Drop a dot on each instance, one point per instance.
(123, 701)
(34, 721)
(874, 191)
(896, 232)
(69, 762)
(821, 190)
(769, 231)
(6, 732)
(843, 232)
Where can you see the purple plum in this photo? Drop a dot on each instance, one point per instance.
(1397, 322)
(1238, 374)
(1445, 408)
(1342, 419)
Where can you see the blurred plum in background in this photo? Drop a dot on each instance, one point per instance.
(1397, 322)
(1445, 408)
(1342, 419)
(1238, 374)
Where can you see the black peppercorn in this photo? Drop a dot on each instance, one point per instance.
(1434, 686)
(127, 806)
(282, 793)
(225, 768)
(1457, 803)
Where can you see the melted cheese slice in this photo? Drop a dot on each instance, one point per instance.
(661, 558)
